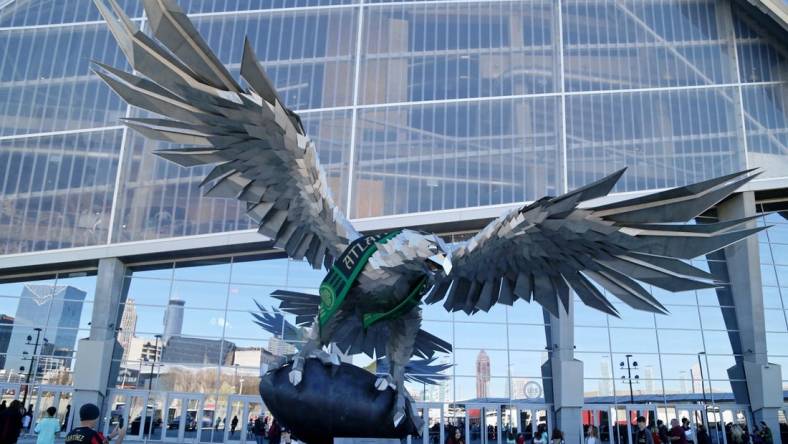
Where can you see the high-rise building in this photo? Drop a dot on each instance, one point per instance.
(173, 319)
(6, 327)
(280, 347)
(57, 310)
(482, 374)
(128, 326)
(143, 350)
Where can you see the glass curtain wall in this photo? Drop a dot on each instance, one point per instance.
(415, 106)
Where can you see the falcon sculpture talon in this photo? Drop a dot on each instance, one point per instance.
(370, 300)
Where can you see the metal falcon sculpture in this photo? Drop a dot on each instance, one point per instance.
(369, 302)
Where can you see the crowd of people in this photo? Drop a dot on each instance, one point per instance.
(681, 432)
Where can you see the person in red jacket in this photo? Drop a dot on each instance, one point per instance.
(86, 432)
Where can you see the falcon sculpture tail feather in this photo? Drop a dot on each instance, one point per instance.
(421, 370)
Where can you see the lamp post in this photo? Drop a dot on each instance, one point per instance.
(629, 368)
(153, 363)
(32, 361)
(700, 368)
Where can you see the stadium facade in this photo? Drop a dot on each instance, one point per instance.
(435, 114)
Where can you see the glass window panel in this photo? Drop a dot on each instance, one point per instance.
(243, 297)
(777, 343)
(585, 315)
(261, 272)
(638, 45)
(57, 190)
(211, 270)
(778, 233)
(155, 271)
(527, 337)
(680, 341)
(43, 12)
(434, 157)
(301, 275)
(46, 82)
(647, 365)
(466, 388)
(646, 387)
(487, 336)
(766, 123)
(239, 324)
(154, 292)
(679, 317)
(761, 58)
(630, 317)
(190, 379)
(768, 275)
(771, 298)
(592, 339)
(717, 342)
(708, 297)
(200, 294)
(665, 138)
(775, 320)
(150, 319)
(160, 199)
(527, 363)
(478, 362)
(765, 254)
(717, 367)
(596, 365)
(595, 388)
(712, 317)
(629, 340)
(308, 54)
(202, 7)
(528, 388)
(418, 52)
(522, 313)
(206, 323)
(682, 367)
(782, 274)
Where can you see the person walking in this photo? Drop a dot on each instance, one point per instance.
(259, 430)
(702, 435)
(65, 418)
(27, 418)
(86, 432)
(557, 437)
(765, 433)
(455, 438)
(642, 434)
(47, 428)
(592, 437)
(737, 434)
(274, 432)
(676, 433)
(662, 432)
(233, 425)
(11, 423)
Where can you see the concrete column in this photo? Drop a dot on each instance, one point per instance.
(764, 380)
(93, 369)
(567, 375)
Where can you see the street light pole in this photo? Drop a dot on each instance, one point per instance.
(629, 367)
(153, 363)
(32, 363)
(702, 385)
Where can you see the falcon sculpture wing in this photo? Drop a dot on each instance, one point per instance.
(262, 154)
(539, 251)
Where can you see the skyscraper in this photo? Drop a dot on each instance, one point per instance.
(55, 309)
(128, 326)
(6, 326)
(482, 374)
(173, 319)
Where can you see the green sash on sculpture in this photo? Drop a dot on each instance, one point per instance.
(343, 275)
(345, 271)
